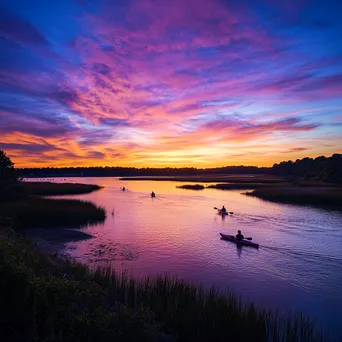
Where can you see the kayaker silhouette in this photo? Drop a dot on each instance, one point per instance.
(123, 189)
(223, 210)
(239, 236)
(153, 194)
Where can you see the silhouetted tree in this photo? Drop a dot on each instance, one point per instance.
(7, 170)
(10, 187)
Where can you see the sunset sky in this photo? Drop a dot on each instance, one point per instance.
(156, 83)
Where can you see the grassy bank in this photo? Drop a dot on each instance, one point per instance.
(317, 195)
(242, 186)
(57, 189)
(47, 299)
(43, 212)
(27, 209)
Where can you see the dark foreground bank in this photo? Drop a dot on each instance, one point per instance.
(45, 298)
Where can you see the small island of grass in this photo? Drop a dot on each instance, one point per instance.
(191, 186)
(311, 195)
(57, 189)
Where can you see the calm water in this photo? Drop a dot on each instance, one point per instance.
(297, 267)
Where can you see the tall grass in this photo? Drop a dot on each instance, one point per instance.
(43, 212)
(56, 189)
(190, 313)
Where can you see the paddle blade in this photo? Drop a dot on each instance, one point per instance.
(248, 238)
(231, 213)
(215, 208)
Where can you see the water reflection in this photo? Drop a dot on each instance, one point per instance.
(298, 265)
(239, 250)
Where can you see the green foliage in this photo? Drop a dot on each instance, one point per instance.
(44, 212)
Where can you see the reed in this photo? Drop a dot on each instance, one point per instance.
(190, 313)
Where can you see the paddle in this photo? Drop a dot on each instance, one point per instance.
(230, 212)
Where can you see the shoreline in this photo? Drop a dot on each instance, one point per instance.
(211, 179)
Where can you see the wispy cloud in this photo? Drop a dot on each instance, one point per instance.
(147, 82)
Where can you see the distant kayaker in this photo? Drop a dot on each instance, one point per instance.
(239, 236)
(153, 194)
(123, 189)
(223, 210)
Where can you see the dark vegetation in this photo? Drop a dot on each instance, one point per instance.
(323, 196)
(326, 169)
(242, 186)
(44, 298)
(55, 189)
(191, 186)
(20, 201)
(132, 171)
(43, 212)
(212, 178)
(319, 169)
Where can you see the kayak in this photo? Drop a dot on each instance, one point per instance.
(244, 242)
(220, 212)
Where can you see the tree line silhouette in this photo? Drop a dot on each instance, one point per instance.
(322, 168)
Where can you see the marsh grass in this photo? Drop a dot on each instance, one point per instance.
(190, 313)
(57, 189)
(317, 195)
(43, 212)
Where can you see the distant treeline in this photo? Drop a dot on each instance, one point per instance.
(321, 168)
(132, 171)
(328, 169)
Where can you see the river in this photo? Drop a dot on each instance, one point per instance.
(298, 266)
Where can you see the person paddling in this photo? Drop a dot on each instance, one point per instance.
(153, 194)
(123, 189)
(223, 210)
(239, 236)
